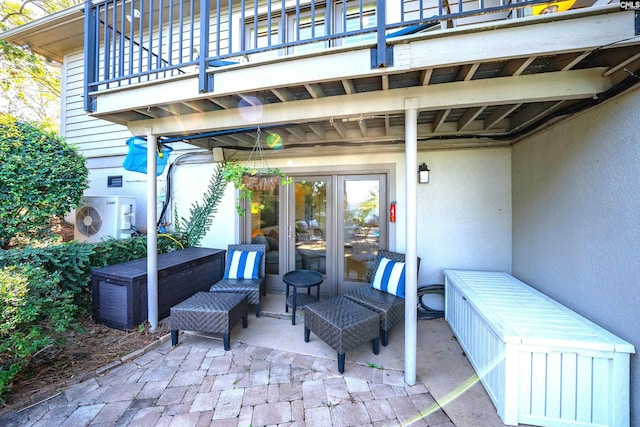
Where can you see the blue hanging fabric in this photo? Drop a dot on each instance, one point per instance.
(136, 159)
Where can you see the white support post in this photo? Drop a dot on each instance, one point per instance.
(411, 239)
(152, 236)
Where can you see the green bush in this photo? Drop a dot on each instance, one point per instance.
(44, 289)
(32, 306)
(73, 261)
(41, 177)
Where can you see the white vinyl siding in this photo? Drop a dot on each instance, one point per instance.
(93, 137)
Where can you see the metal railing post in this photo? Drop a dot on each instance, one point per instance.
(89, 55)
(204, 84)
(381, 48)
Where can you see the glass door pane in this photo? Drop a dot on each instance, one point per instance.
(266, 228)
(309, 222)
(362, 228)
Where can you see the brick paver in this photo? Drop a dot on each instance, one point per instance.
(199, 384)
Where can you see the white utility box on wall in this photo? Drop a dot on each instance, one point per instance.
(540, 362)
(100, 217)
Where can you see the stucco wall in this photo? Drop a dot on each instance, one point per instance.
(576, 219)
(464, 212)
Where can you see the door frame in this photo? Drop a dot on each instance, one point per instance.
(342, 283)
(274, 282)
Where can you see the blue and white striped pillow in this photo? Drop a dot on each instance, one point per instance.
(389, 277)
(243, 265)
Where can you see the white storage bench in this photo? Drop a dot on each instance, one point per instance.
(541, 363)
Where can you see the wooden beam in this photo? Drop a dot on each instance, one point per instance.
(226, 140)
(467, 71)
(349, 88)
(426, 76)
(620, 65)
(318, 130)
(297, 132)
(516, 67)
(251, 99)
(574, 84)
(533, 113)
(225, 103)
(470, 116)
(145, 112)
(499, 115)
(283, 94)
(362, 123)
(339, 127)
(243, 138)
(441, 116)
(575, 61)
(315, 90)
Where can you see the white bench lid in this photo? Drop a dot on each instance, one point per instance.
(524, 315)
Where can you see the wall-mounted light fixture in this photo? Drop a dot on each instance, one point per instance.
(423, 173)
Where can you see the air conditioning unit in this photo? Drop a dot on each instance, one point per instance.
(100, 217)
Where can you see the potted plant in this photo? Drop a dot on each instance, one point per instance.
(246, 180)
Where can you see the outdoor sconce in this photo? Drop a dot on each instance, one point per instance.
(423, 173)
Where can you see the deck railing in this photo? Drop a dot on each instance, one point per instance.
(133, 41)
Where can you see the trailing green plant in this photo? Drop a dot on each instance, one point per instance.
(41, 177)
(201, 215)
(246, 180)
(33, 306)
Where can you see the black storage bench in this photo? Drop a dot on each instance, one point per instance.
(119, 292)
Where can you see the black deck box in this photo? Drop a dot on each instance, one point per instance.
(119, 292)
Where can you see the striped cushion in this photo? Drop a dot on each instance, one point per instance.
(243, 265)
(389, 277)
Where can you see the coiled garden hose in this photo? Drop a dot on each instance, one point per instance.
(425, 312)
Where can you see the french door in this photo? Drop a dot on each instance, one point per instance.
(362, 227)
(333, 224)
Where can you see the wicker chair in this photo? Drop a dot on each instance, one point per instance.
(253, 288)
(389, 307)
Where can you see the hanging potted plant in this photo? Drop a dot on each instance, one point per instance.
(247, 179)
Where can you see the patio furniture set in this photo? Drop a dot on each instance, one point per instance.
(343, 322)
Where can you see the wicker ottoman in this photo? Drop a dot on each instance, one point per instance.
(343, 325)
(209, 312)
(389, 307)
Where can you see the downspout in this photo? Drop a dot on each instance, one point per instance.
(152, 236)
(411, 241)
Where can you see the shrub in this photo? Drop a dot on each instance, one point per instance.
(32, 306)
(73, 261)
(44, 289)
(41, 177)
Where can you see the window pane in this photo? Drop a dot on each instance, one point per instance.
(309, 29)
(265, 226)
(361, 227)
(357, 20)
(310, 224)
(263, 34)
(354, 21)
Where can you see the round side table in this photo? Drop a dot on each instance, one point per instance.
(301, 279)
